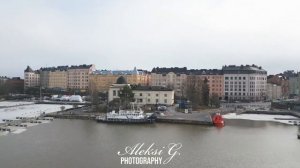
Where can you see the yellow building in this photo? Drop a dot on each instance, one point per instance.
(101, 80)
(78, 76)
(58, 79)
(54, 77)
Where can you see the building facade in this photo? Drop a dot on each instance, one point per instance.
(294, 85)
(54, 77)
(3, 80)
(215, 80)
(78, 76)
(153, 95)
(282, 81)
(31, 78)
(247, 83)
(173, 78)
(274, 91)
(63, 77)
(101, 80)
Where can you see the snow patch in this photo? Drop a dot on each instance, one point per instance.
(285, 119)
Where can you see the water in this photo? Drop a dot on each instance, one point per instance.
(78, 144)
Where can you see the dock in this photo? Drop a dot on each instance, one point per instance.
(195, 118)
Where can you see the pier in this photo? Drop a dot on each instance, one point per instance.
(196, 118)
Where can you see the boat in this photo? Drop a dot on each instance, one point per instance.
(127, 116)
(218, 120)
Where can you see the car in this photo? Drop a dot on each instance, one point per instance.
(162, 108)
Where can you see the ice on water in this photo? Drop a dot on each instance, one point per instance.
(261, 117)
(11, 110)
(27, 110)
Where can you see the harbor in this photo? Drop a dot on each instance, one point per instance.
(174, 117)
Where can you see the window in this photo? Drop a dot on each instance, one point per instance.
(141, 94)
(156, 95)
(114, 93)
(156, 100)
(166, 101)
(166, 95)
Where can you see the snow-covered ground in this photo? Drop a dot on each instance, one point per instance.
(30, 110)
(285, 119)
(14, 103)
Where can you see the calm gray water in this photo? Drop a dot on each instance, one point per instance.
(79, 144)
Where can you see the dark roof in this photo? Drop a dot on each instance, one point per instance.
(150, 88)
(28, 69)
(84, 66)
(243, 69)
(175, 70)
(121, 80)
(205, 72)
(59, 68)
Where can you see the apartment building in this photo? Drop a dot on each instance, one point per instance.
(214, 77)
(31, 78)
(78, 76)
(173, 78)
(101, 80)
(294, 84)
(247, 82)
(54, 77)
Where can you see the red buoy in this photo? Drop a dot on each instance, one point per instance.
(218, 120)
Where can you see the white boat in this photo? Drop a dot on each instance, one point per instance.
(126, 116)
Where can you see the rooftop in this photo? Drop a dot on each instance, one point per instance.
(28, 69)
(120, 72)
(84, 66)
(164, 70)
(150, 88)
(243, 69)
(205, 72)
(59, 68)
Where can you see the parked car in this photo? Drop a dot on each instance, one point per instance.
(162, 108)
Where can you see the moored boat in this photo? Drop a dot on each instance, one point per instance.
(218, 120)
(127, 116)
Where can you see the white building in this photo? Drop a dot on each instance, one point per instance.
(244, 83)
(273, 91)
(31, 78)
(144, 94)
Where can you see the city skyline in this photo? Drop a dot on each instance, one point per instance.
(146, 34)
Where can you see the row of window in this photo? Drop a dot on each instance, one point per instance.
(149, 100)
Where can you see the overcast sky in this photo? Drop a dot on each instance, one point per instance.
(122, 34)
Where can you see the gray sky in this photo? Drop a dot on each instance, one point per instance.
(121, 34)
